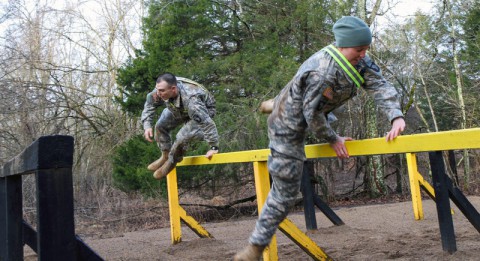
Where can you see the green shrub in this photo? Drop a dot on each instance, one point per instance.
(130, 174)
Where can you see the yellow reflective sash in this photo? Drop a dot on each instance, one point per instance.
(345, 64)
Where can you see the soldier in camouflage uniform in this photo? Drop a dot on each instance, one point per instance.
(320, 85)
(187, 102)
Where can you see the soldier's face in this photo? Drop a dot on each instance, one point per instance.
(166, 91)
(354, 54)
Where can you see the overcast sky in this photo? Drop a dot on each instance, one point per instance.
(406, 8)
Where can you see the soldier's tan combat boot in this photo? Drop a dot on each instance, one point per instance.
(249, 253)
(164, 170)
(159, 162)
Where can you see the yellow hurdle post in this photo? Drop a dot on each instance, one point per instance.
(262, 187)
(174, 207)
(193, 224)
(303, 241)
(414, 186)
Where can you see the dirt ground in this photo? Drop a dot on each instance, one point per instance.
(371, 232)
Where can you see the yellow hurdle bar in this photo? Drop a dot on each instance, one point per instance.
(438, 141)
(435, 141)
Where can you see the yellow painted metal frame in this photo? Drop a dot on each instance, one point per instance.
(177, 213)
(417, 181)
(262, 187)
(409, 144)
(445, 140)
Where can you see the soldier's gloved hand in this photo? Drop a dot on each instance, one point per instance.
(148, 134)
(213, 150)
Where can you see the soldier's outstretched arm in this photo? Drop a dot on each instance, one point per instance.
(198, 112)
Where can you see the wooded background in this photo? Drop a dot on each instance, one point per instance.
(83, 68)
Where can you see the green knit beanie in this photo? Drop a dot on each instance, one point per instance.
(351, 31)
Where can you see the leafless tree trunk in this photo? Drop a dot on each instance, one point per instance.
(374, 176)
(458, 77)
(58, 70)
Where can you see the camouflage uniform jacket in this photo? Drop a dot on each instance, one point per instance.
(193, 102)
(319, 87)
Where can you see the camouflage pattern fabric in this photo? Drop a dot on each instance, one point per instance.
(286, 175)
(319, 86)
(194, 107)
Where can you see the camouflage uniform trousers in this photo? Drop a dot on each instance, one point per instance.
(188, 133)
(286, 174)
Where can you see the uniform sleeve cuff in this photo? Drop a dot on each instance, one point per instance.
(391, 122)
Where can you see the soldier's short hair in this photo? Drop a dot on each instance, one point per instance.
(167, 77)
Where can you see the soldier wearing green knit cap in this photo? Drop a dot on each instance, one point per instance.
(351, 31)
(324, 82)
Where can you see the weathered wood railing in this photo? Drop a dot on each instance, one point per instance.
(50, 158)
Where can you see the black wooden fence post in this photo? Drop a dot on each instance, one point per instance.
(51, 159)
(11, 240)
(55, 219)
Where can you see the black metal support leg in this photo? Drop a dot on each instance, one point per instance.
(307, 192)
(317, 201)
(442, 201)
(327, 211)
